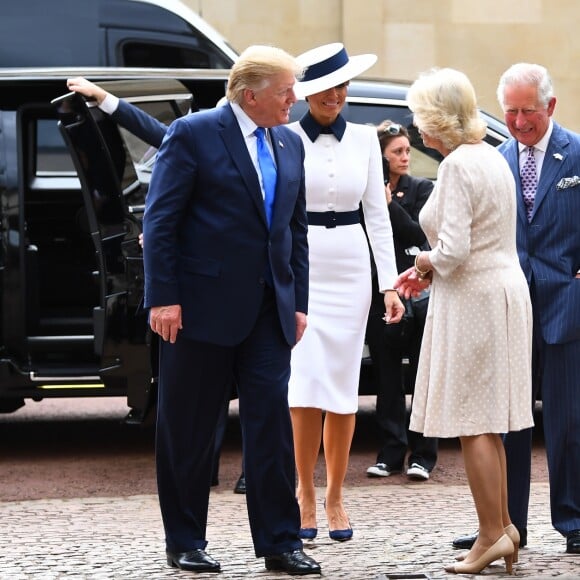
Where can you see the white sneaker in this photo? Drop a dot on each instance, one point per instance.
(418, 472)
(381, 470)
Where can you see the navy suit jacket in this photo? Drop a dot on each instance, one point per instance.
(207, 242)
(144, 126)
(549, 245)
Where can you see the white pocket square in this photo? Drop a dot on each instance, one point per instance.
(567, 182)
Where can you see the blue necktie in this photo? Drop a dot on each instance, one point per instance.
(268, 171)
(529, 182)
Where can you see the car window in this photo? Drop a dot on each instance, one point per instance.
(51, 157)
(374, 110)
(51, 154)
(142, 54)
(424, 162)
(165, 55)
(143, 154)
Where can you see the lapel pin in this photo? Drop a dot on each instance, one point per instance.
(558, 156)
(281, 144)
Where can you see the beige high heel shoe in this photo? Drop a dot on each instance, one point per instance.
(502, 548)
(514, 536)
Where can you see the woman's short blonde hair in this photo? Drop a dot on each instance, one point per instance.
(255, 67)
(444, 106)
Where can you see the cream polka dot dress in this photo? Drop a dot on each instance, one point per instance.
(474, 372)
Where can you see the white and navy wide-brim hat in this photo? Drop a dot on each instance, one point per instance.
(328, 66)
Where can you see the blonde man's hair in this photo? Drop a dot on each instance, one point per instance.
(255, 67)
(444, 106)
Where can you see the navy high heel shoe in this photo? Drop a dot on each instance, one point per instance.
(307, 533)
(339, 535)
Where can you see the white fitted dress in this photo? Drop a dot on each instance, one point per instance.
(339, 175)
(474, 373)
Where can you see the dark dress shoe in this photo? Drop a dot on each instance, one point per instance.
(240, 484)
(466, 542)
(296, 563)
(573, 542)
(193, 561)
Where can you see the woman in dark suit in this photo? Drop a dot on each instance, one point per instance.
(388, 344)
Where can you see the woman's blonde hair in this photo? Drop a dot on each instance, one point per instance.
(444, 106)
(255, 67)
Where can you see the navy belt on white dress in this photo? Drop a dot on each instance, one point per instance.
(331, 219)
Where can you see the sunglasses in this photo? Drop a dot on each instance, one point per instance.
(393, 129)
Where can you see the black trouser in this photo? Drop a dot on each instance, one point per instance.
(388, 344)
(220, 436)
(194, 379)
(518, 444)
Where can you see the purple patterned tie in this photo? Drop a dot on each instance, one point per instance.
(529, 182)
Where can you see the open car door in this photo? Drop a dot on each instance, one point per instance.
(114, 190)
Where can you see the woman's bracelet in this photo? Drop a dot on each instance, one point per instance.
(421, 274)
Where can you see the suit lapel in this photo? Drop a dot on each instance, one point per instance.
(511, 153)
(280, 156)
(409, 192)
(553, 163)
(236, 147)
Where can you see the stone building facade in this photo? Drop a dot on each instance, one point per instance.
(480, 38)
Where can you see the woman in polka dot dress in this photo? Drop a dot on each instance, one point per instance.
(474, 376)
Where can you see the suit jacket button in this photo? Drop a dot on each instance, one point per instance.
(261, 281)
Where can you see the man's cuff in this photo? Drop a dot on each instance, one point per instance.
(110, 104)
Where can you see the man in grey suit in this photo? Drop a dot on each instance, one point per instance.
(545, 160)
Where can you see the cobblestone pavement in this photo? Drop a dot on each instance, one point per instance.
(399, 531)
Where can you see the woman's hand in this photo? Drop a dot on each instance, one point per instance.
(409, 285)
(394, 308)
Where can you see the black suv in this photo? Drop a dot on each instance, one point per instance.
(70, 263)
(72, 190)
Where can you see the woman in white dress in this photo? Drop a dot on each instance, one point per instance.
(474, 376)
(343, 168)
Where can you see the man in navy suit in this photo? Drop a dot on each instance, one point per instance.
(548, 242)
(227, 290)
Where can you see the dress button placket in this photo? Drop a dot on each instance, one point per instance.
(332, 186)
